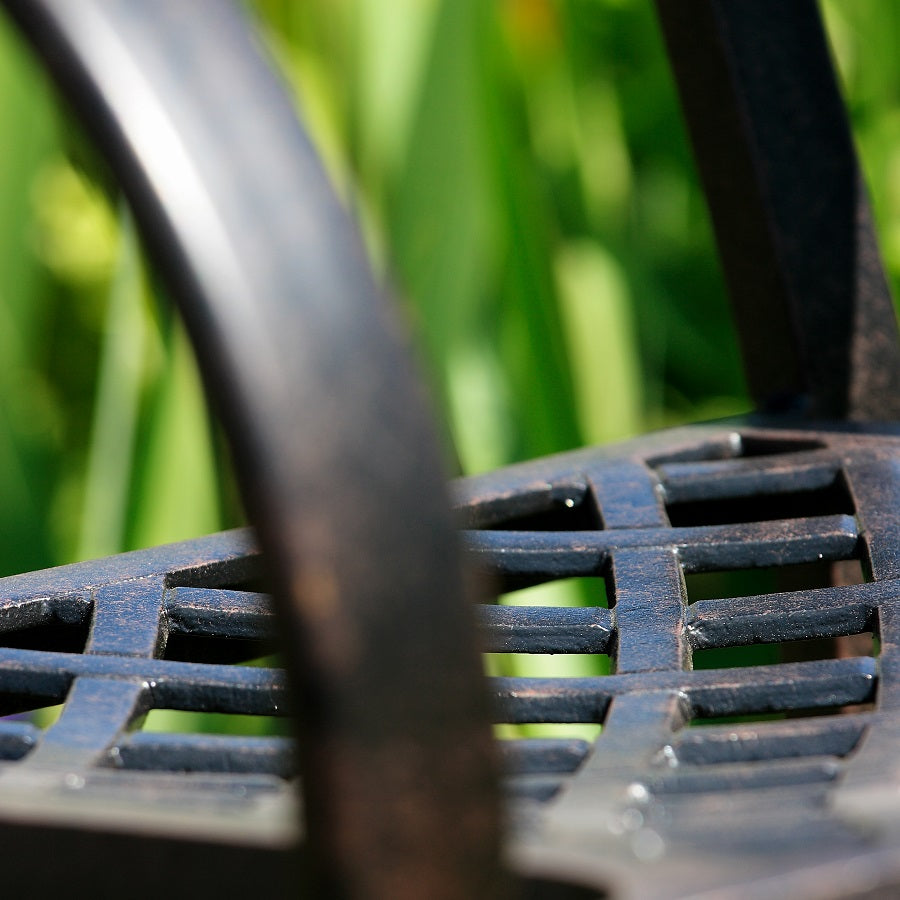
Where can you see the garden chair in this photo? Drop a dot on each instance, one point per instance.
(309, 374)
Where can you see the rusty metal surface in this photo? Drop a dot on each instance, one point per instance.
(768, 777)
(308, 371)
(789, 208)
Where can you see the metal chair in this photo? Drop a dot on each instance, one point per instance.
(337, 463)
(310, 377)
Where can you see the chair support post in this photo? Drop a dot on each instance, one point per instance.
(791, 216)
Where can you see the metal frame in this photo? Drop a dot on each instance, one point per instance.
(309, 373)
(337, 463)
(789, 207)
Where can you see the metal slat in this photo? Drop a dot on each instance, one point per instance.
(542, 629)
(220, 613)
(712, 692)
(557, 554)
(756, 476)
(715, 744)
(820, 612)
(207, 753)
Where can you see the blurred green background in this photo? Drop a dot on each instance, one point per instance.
(523, 181)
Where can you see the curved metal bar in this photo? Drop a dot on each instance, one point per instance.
(793, 222)
(338, 464)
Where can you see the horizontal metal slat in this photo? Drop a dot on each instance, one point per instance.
(170, 684)
(712, 692)
(745, 476)
(220, 613)
(559, 554)
(786, 616)
(207, 753)
(532, 756)
(817, 735)
(745, 776)
(545, 629)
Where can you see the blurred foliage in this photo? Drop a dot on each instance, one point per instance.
(522, 178)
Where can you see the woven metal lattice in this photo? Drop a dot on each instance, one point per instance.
(792, 775)
(787, 775)
(798, 714)
(111, 640)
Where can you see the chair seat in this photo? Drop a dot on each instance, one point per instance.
(782, 778)
(112, 640)
(786, 776)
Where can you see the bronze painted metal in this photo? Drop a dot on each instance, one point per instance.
(788, 205)
(749, 734)
(768, 774)
(307, 368)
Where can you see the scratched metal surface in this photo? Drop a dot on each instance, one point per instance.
(307, 366)
(800, 787)
(771, 776)
(794, 790)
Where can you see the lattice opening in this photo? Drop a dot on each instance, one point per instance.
(179, 721)
(574, 512)
(833, 499)
(222, 650)
(31, 707)
(801, 712)
(755, 445)
(769, 580)
(740, 445)
(240, 574)
(45, 716)
(864, 644)
(547, 665)
(52, 635)
(561, 592)
(253, 583)
(575, 731)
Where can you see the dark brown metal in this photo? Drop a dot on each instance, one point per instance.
(792, 220)
(305, 365)
(803, 806)
(655, 807)
(103, 638)
(765, 804)
(789, 785)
